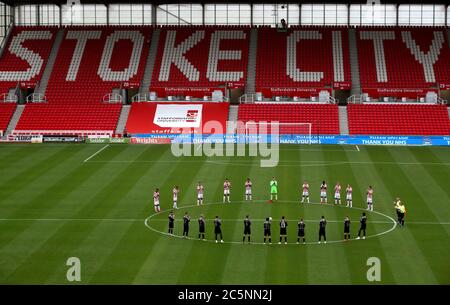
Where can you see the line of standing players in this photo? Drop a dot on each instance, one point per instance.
(268, 222)
(301, 226)
(273, 194)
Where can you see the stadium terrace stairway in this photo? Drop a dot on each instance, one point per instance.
(354, 65)
(378, 119)
(42, 86)
(232, 119)
(124, 113)
(251, 70)
(150, 63)
(343, 120)
(6, 113)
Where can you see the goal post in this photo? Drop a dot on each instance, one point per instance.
(302, 130)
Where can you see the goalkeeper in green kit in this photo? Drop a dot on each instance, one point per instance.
(273, 189)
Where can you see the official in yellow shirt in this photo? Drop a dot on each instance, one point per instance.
(402, 212)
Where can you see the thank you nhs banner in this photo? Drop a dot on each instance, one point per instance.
(178, 116)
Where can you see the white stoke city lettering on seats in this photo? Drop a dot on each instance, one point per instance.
(380, 61)
(215, 54)
(33, 59)
(291, 66)
(176, 56)
(104, 70)
(427, 60)
(81, 37)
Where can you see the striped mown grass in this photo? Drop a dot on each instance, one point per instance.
(53, 206)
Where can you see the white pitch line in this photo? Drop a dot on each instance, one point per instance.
(317, 220)
(275, 220)
(96, 153)
(71, 219)
(319, 162)
(207, 219)
(357, 147)
(287, 201)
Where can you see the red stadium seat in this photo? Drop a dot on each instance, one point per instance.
(393, 65)
(194, 61)
(6, 112)
(302, 61)
(324, 118)
(75, 97)
(391, 119)
(25, 56)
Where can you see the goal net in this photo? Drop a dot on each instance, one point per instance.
(284, 132)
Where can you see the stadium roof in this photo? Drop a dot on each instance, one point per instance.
(16, 2)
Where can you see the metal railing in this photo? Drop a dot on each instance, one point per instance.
(36, 98)
(141, 97)
(247, 98)
(441, 101)
(332, 100)
(8, 98)
(354, 99)
(112, 98)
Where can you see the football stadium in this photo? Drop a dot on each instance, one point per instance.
(224, 142)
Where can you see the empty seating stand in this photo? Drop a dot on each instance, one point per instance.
(6, 113)
(376, 119)
(194, 61)
(302, 61)
(90, 63)
(324, 118)
(403, 62)
(25, 56)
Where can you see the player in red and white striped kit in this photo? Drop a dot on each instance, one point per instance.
(349, 192)
(248, 189)
(305, 193)
(156, 201)
(370, 198)
(226, 190)
(200, 190)
(337, 193)
(175, 192)
(323, 192)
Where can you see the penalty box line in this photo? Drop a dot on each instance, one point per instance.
(96, 153)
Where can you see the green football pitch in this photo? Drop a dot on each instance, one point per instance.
(94, 202)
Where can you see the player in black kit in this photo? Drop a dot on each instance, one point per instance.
(283, 230)
(186, 220)
(171, 222)
(218, 229)
(247, 231)
(346, 228)
(301, 231)
(322, 225)
(363, 225)
(267, 233)
(201, 228)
